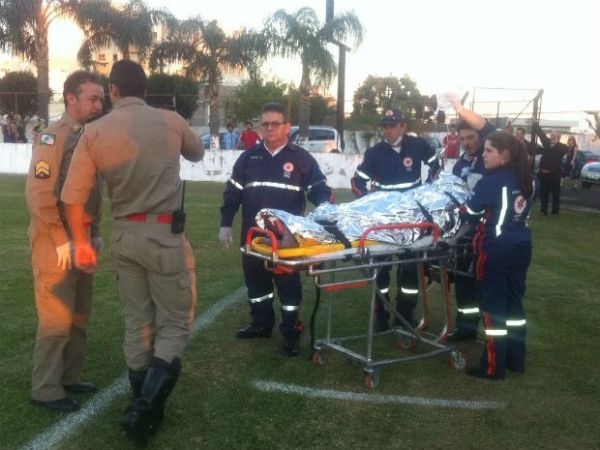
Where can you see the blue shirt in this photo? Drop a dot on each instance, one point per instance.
(230, 140)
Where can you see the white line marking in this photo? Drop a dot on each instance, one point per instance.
(271, 386)
(99, 402)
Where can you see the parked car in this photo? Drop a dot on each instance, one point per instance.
(584, 157)
(320, 139)
(590, 174)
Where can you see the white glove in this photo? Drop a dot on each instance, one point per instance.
(64, 259)
(98, 244)
(454, 100)
(225, 236)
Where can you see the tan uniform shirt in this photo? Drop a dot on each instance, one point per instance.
(139, 163)
(51, 155)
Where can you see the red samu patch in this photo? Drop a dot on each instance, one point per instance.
(520, 204)
(288, 168)
(408, 162)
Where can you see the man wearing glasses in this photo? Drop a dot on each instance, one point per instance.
(278, 174)
(394, 164)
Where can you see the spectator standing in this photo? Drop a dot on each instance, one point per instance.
(63, 293)
(231, 138)
(502, 201)
(275, 173)
(451, 145)
(137, 149)
(249, 137)
(394, 164)
(549, 174)
(12, 132)
(572, 168)
(472, 131)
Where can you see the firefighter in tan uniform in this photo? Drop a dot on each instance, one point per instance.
(63, 293)
(137, 150)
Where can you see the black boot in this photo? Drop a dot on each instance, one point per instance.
(406, 307)
(136, 379)
(382, 315)
(144, 415)
(465, 328)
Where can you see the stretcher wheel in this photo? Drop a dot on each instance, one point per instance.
(320, 357)
(371, 379)
(457, 360)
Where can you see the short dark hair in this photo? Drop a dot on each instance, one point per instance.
(72, 84)
(464, 125)
(277, 108)
(129, 77)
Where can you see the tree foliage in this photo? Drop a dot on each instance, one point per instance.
(302, 35)
(206, 51)
(594, 122)
(127, 26)
(250, 97)
(18, 94)
(378, 93)
(173, 92)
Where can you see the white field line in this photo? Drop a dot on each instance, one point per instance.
(70, 423)
(270, 386)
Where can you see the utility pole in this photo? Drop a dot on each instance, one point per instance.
(339, 121)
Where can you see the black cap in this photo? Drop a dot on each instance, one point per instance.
(392, 117)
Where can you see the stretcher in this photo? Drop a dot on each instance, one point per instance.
(355, 265)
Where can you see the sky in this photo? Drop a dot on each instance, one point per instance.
(516, 47)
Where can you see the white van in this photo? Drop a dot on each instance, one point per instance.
(321, 139)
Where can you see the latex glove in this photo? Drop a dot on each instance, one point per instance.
(454, 100)
(97, 244)
(225, 236)
(63, 253)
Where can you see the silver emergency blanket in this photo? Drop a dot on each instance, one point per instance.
(438, 203)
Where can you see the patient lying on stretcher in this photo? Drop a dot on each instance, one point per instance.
(437, 203)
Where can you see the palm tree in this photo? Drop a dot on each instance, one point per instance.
(24, 25)
(128, 26)
(301, 34)
(24, 28)
(206, 52)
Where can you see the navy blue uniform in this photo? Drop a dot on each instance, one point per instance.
(502, 246)
(470, 169)
(281, 181)
(390, 169)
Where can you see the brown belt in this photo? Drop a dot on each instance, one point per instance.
(151, 218)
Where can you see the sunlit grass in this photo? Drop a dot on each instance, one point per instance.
(216, 406)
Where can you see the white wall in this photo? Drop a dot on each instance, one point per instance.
(216, 165)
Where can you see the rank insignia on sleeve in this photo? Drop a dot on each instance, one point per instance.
(47, 139)
(42, 170)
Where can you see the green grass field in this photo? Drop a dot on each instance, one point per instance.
(244, 395)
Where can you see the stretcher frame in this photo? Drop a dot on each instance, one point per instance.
(364, 261)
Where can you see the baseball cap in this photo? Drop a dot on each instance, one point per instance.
(392, 117)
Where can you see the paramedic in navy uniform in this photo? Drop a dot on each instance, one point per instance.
(394, 164)
(472, 131)
(274, 174)
(502, 201)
